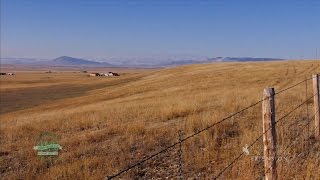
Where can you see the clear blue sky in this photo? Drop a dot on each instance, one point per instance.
(104, 28)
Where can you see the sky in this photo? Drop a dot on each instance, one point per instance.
(142, 28)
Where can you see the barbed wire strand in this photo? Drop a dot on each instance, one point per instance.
(296, 108)
(238, 157)
(182, 140)
(290, 87)
(285, 175)
(300, 132)
(298, 120)
(204, 129)
(292, 141)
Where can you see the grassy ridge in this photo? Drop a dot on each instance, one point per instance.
(106, 124)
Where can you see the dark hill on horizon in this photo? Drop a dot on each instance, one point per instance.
(70, 61)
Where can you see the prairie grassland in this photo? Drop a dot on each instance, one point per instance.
(107, 124)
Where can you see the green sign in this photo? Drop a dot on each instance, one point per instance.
(47, 145)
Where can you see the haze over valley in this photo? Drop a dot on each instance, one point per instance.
(129, 62)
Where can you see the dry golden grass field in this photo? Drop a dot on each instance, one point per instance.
(106, 124)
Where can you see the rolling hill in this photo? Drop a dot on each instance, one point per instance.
(65, 60)
(108, 124)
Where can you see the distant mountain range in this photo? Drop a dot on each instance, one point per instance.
(70, 61)
(60, 61)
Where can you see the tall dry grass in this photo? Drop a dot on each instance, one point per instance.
(112, 123)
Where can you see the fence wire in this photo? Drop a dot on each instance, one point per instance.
(261, 135)
(294, 139)
(181, 140)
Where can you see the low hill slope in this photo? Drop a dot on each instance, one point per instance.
(111, 123)
(70, 61)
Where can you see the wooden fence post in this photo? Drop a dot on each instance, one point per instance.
(269, 136)
(316, 100)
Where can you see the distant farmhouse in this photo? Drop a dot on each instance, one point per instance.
(94, 74)
(112, 74)
(104, 74)
(9, 74)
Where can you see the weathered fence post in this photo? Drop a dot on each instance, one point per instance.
(269, 136)
(316, 100)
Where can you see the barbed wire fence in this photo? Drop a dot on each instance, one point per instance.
(294, 138)
(181, 139)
